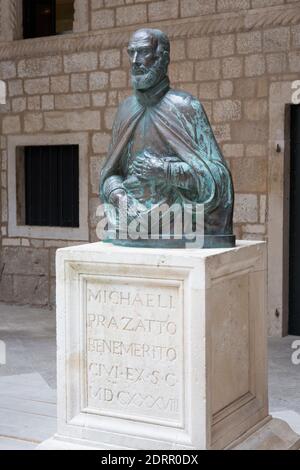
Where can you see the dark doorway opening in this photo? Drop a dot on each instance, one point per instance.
(294, 290)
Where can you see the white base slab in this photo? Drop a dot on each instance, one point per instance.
(275, 434)
(160, 349)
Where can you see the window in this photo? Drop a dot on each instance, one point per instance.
(51, 176)
(76, 205)
(47, 17)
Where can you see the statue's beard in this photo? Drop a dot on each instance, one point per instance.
(143, 78)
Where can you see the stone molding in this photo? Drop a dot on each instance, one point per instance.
(48, 233)
(284, 15)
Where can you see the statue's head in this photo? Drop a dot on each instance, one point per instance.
(149, 55)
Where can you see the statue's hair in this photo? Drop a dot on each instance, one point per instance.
(163, 43)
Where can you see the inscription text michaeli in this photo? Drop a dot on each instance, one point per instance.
(134, 359)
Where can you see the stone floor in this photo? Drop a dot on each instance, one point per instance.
(27, 381)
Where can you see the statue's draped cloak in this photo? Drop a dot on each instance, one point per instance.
(181, 121)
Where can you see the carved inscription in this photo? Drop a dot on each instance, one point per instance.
(134, 353)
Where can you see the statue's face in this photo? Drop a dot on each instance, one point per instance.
(147, 68)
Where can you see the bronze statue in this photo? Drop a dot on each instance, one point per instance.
(163, 152)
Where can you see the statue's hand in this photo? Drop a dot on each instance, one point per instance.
(149, 166)
(117, 196)
(122, 202)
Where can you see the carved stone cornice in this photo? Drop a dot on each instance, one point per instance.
(190, 27)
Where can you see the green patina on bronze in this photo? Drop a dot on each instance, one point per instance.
(163, 150)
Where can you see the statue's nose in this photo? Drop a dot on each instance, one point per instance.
(135, 59)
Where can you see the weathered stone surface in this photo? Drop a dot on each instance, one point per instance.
(232, 5)
(266, 3)
(255, 65)
(131, 15)
(25, 261)
(255, 110)
(249, 131)
(246, 208)
(99, 99)
(15, 87)
(277, 62)
(118, 78)
(198, 48)
(296, 36)
(249, 42)
(101, 142)
(233, 150)
(181, 71)
(11, 124)
(4, 212)
(178, 50)
(277, 39)
(95, 168)
(7, 70)
(294, 61)
(79, 82)
(163, 10)
(196, 7)
(256, 150)
(227, 110)
(249, 175)
(103, 19)
(110, 59)
(222, 132)
(37, 86)
(232, 67)
(6, 288)
(223, 45)
(208, 90)
(207, 69)
(60, 84)
(226, 88)
(40, 67)
(72, 121)
(98, 80)
(34, 103)
(263, 209)
(245, 87)
(31, 290)
(33, 122)
(81, 62)
(72, 101)
(52, 299)
(109, 116)
(47, 102)
(97, 4)
(18, 105)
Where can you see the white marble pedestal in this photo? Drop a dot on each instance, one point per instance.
(163, 349)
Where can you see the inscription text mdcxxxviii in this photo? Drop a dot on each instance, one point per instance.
(134, 342)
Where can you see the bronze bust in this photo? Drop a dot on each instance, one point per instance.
(164, 153)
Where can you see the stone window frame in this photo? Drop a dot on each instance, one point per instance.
(11, 19)
(15, 182)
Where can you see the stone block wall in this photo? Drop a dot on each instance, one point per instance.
(226, 52)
